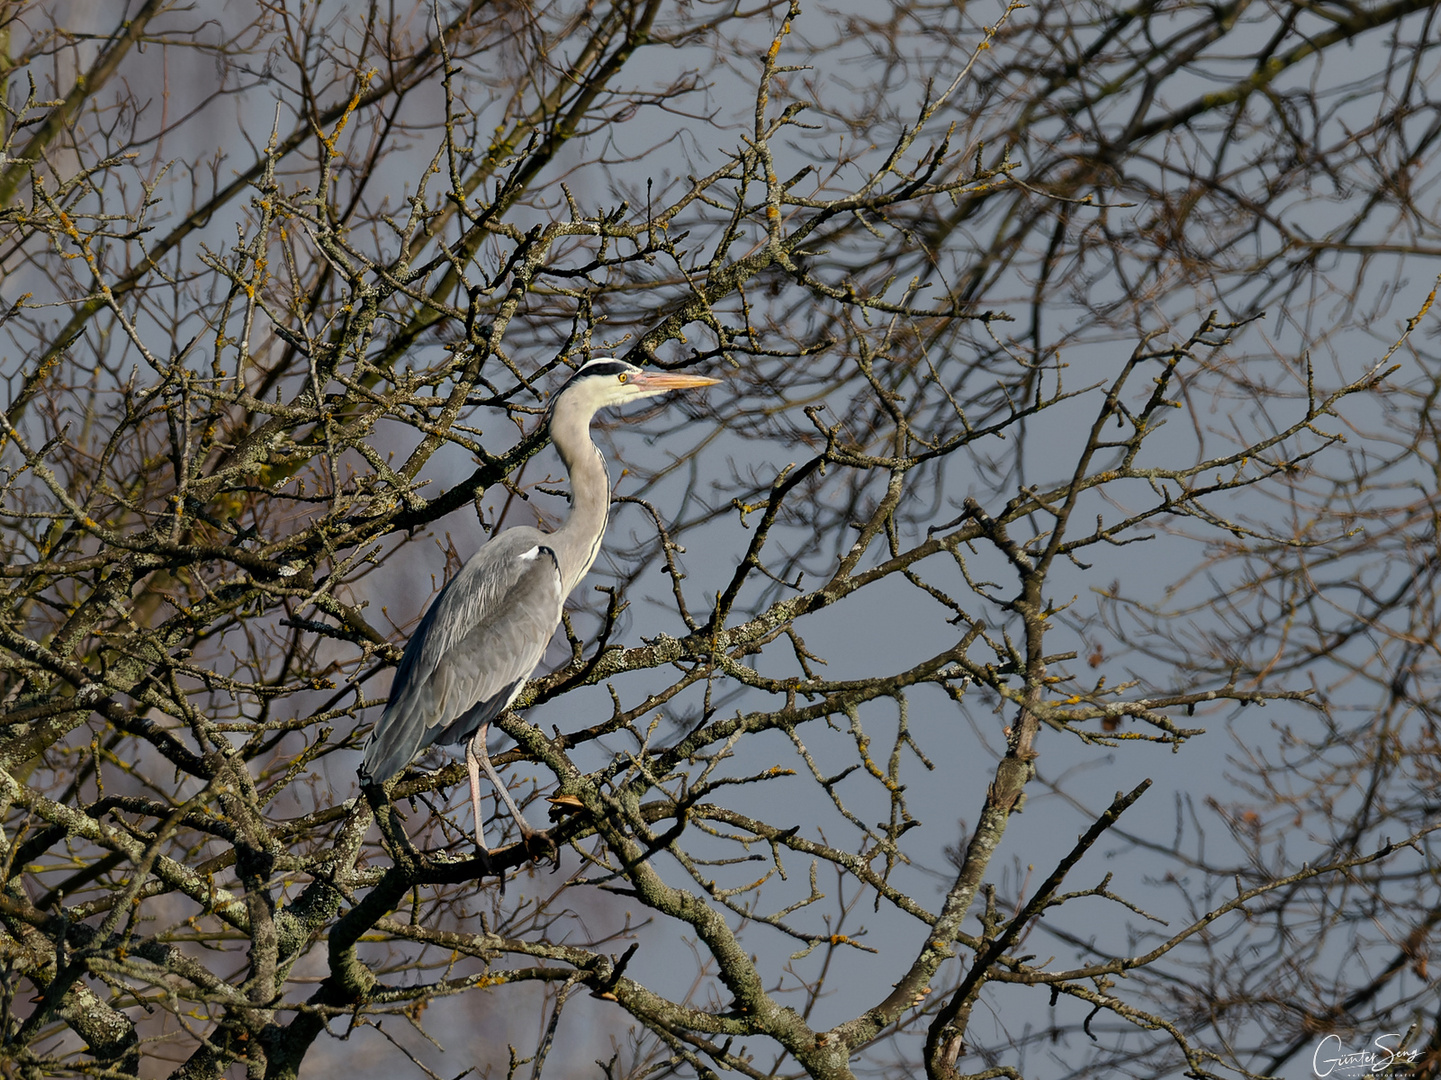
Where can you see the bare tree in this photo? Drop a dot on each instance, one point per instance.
(1075, 406)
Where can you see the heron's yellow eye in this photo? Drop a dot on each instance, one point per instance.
(622, 377)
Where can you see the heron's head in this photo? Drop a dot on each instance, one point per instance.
(605, 381)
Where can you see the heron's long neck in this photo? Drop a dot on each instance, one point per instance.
(577, 541)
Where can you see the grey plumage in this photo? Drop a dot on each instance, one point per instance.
(489, 627)
(472, 652)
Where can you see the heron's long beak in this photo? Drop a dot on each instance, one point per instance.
(665, 380)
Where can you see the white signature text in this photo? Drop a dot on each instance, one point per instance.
(1384, 1053)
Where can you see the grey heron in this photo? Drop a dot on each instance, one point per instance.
(489, 627)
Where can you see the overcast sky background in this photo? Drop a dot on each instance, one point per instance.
(880, 631)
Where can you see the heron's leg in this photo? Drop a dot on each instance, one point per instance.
(472, 766)
(476, 760)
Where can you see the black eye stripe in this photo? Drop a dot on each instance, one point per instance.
(605, 367)
(611, 368)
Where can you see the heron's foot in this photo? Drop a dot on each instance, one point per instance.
(539, 846)
(484, 856)
(487, 864)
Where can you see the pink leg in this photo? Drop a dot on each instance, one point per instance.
(476, 761)
(473, 766)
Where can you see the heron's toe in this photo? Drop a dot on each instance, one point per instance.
(539, 846)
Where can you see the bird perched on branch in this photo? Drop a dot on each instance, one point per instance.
(489, 627)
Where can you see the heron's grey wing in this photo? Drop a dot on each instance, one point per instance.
(481, 674)
(472, 652)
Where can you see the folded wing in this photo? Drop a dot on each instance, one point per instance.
(472, 652)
